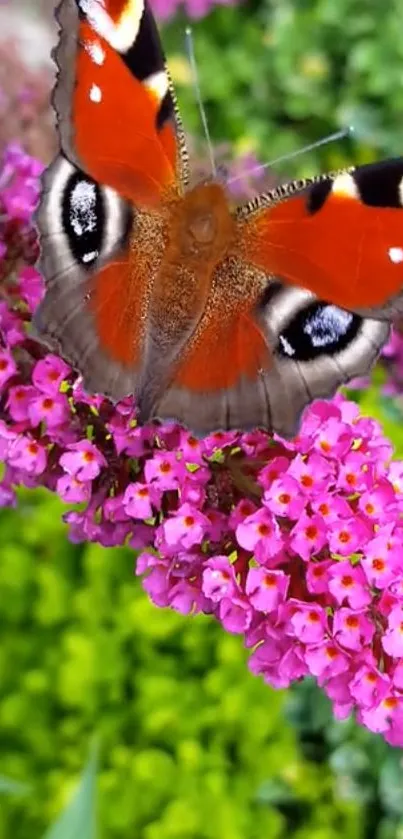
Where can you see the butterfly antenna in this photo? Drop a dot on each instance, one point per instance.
(196, 85)
(337, 135)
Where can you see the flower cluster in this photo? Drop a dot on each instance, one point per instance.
(296, 546)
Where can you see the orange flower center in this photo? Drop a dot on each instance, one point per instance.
(378, 564)
(352, 622)
(165, 467)
(264, 530)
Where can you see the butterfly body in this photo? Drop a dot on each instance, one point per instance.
(212, 315)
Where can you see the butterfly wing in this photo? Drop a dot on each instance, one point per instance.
(336, 244)
(261, 368)
(341, 238)
(122, 149)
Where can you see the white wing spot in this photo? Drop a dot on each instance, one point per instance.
(95, 51)
(157, 83)
(345, 186)
(287, 348)
(395, 255)
(90, 256)
(120, 34)
(95, 93)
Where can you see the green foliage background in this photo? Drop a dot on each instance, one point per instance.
(191, 745)
(279, 74)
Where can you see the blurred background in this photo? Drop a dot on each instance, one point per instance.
(191, 746)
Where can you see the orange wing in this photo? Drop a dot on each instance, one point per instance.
(340, 238)
(122, 149)
(117, 116)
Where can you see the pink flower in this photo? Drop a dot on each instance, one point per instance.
(49, 373)
(235, 613)
(266, 589)
(379, 502)
(27, 454)
(317, 576)
(284, 498)
(326, 660)
(53, 410)
(312, 473)
(331, 507)
(307, 622)
(165, 470)
(381, 717)
(138, 500)
(260, 533)
(185, 528)
(392, 641)
(334, 438)
(308, 536)
(352, 630)
(348, 535)
(19, 400)
(348, 584)
(382, 563)
(83, 460)
(219, 579)
(368, 686)
(72, 490)
(8, 367)
(353, 473)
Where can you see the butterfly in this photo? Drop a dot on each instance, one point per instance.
(215, 316)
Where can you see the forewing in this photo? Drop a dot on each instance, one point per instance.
(121, 151)
(117, 115)
(341, 238)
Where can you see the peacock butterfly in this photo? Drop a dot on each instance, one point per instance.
(217, 317)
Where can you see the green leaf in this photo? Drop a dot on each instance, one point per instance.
(391, 784)
(10, 787)
(79, 819)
